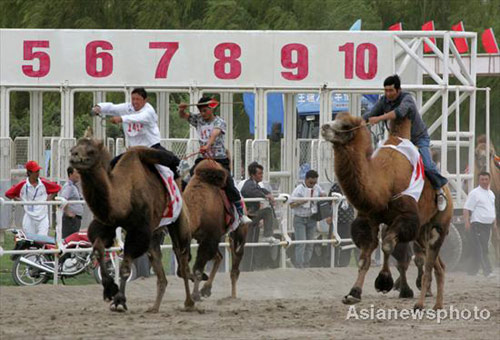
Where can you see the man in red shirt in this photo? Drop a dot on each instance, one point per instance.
(34, 188)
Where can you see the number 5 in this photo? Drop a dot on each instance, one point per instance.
(43, 58)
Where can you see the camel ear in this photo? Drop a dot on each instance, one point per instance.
(89, 133)
(342, 114)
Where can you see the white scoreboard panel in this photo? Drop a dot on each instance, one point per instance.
(236, 59)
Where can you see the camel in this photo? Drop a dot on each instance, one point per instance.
(373, 185)
(132, 196)
(204, 198)
(480, 165)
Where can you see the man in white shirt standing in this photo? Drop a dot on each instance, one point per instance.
(140, 124)
(303, 225)
(479, 215)
(34, 188)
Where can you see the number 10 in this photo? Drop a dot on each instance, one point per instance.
(361, 73)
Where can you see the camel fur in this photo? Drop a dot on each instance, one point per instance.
(132, 196)
(203, 197)
(372, 184)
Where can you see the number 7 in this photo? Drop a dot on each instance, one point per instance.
(171, 48)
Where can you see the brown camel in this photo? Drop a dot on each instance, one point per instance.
(132, 196)
(482, 158)
(204, 198)
(373, 185)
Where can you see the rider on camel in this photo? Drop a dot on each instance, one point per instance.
(397, 104)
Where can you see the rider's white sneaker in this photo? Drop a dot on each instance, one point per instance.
(442, 202)
(244, 219)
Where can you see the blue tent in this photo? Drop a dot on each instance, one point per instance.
(306, 104)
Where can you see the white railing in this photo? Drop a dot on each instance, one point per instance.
(336, 241)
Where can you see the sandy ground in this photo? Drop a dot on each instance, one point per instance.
(276, 304)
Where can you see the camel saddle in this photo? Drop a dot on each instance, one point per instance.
(496, 160)
(230, 213)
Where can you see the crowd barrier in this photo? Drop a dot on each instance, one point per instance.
(60, 203)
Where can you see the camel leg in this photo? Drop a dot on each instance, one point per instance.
(137, 242)
(365, 238)
(206, 251)
(384, 281)
(435, 240)
(419, 262)
(402, 255)
(237, 241)
(155, 257)
(206, 290)
(181, 241)
(439, 273)
(102, 236)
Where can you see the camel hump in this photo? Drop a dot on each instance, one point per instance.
(211, 172)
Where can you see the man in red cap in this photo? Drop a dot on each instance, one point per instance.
(34, 188)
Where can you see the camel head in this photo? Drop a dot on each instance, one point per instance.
(343, 129)
(89, 153)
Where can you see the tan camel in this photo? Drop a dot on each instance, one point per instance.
(131, 196)
(204, 198)
(373, 185)
(482, 158)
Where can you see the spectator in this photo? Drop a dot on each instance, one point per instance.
(72, 218)
(303, 224)
(34, 188)
(345, 217)
(479, 216)
(259, 211)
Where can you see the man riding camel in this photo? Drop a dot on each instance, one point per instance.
(397, 104)
(211, 131)
(140, 124)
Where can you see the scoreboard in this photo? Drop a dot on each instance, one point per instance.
(168, 58)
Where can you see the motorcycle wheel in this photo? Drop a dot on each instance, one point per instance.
(111, 270)
(25, 275)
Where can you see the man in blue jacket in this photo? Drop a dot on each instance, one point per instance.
(397, 104)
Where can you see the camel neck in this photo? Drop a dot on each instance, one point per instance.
(96, 186)
(358, 178)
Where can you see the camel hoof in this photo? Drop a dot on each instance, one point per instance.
(196, 296)
(437, 306)
(418, 306)
(406, 293)
(350, 300)
(384, 282)
(152, 310)
(206, 291)
(120, 308)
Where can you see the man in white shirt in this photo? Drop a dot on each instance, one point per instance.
(303, 224)
(140, 124)
(34, 188)
(479, 215)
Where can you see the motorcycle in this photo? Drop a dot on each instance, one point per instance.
(34, 269)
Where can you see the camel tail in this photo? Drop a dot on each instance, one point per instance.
(212, 173)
